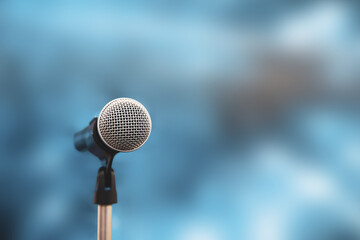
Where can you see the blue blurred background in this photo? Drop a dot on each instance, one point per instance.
(255, 111)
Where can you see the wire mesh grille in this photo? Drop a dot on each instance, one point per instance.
(124, 124)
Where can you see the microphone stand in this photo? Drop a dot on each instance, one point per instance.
(104, 222)
(105, 195)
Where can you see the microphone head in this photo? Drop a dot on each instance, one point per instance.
(124, 124)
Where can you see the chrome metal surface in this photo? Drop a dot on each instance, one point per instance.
(124, 124)
(104, 222)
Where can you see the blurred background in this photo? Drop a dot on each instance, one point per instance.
(255, 111)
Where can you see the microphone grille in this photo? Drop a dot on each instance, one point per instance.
(124, 124)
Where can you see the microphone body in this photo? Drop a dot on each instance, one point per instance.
(123, 125)
(89, 140)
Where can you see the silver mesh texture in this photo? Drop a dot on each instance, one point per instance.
(124, 124)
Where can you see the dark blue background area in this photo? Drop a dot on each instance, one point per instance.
(254, 107)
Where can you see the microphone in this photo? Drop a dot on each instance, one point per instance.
(123, 125)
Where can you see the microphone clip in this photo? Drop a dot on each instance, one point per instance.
(105, 191)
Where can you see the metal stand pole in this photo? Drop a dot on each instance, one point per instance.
(104, 197)
(104, 222)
